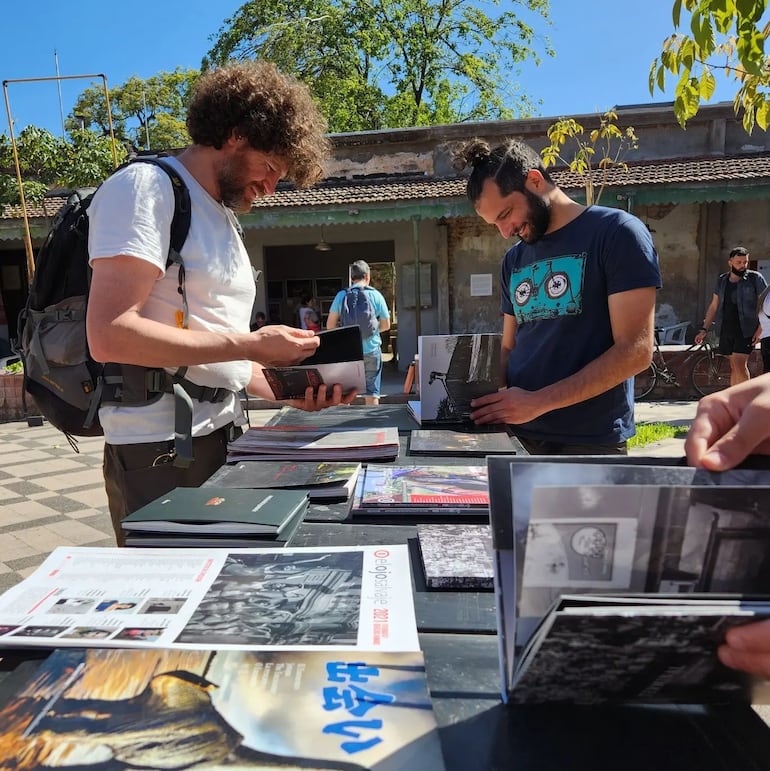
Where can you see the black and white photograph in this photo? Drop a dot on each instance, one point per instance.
(287, 599)
(454, 370)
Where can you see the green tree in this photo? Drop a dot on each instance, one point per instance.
(84, 159)
(146, 113)
(392, 63)
(726, 37)
(610, 141)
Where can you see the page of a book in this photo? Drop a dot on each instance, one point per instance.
(600, 525)
(454, 370)
(336, 598)
(637, 651)
(214, 709)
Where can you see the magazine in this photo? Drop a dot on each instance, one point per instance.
(421, 489)
(276, 443)
(583, 526)
(456, 556)
(321, 481)
(338, 359)
(336, 598)
(454, 370)
(214, 709)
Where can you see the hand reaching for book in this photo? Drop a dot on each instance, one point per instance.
(281, 346)
(748, 648)
(730, 425)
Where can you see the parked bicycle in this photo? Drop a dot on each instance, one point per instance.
(710, 370)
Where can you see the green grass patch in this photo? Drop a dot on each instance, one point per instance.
(647, 433)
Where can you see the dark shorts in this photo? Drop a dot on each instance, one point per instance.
(765, 345)
(734, 342)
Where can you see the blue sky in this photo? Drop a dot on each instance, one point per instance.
(603, 51)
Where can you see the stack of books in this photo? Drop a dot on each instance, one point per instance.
(321, 481)
(421, 491)
(307, 444)
(217, 517)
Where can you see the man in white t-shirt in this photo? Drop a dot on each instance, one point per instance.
(251, 126)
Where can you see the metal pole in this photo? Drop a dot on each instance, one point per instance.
(417, 295)
(27, 234)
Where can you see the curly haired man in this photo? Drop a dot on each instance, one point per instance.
(251, 126)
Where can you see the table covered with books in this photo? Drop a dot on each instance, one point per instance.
(314, 650)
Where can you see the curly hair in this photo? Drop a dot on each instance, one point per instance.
(508, 164)
(274, 112)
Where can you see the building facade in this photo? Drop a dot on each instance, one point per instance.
(394, 199)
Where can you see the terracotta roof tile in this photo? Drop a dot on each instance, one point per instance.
(694, 171)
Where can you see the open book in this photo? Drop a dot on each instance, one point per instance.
(616, 582)
(454, 370)
(339, 358)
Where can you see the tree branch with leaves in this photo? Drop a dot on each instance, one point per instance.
(608, 141)
(727, 37)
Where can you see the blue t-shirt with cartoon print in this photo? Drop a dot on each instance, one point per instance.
(557, 289)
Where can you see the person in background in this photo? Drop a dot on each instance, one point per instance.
(377, 320)
(260, 320)
(578, 303)
(733, 310)
(763, 311)
(729, 426)
(308, 315)
(251, 126)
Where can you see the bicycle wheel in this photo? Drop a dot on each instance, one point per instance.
(645, 381)
(710, 373)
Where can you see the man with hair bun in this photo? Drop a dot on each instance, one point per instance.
(251, 126)
(578, 303)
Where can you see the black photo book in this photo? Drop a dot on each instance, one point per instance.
(322, 481)
(616, 582)
(338, 359)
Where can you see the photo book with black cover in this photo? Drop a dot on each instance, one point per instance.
(444, 441)
(322, 481)
(454, 370)
(456, 556)
(314, 444)
(219, 511)
(164, 709)
(388, 489)
(339, 358)
(616, 581)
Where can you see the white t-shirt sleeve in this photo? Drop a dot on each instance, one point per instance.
(131, 214)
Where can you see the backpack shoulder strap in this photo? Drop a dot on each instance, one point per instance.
(180, 223)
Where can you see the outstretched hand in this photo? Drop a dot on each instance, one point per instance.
(730, 425)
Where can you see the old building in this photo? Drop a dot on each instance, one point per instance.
(394, 199)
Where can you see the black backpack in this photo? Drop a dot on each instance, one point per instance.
(65, 382)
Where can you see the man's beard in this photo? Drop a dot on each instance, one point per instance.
(538, 218)
(232, 187)
(740, 272)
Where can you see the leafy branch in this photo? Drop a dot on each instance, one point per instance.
(608, 140)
